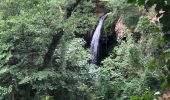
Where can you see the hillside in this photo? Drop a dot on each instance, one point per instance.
(84, 50)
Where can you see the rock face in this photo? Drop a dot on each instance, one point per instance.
(100, 8)
(165, 95)
(119, 29)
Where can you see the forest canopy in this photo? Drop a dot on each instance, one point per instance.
(84, 49)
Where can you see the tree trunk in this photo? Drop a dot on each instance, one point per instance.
(55, 40)
(70, 9)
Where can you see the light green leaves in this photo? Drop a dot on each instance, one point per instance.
(146, 26)
(39, 76)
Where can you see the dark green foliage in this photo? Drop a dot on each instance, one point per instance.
(160, 4)
(108, 26)
(147, 96)
(127, 12)
(145, 26)
(43, 54)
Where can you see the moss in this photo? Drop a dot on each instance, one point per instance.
(108, 26)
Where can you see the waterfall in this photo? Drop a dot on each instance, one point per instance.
(95, 39)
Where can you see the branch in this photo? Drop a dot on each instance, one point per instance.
(51, 49)
(55, 40)
(70, 9)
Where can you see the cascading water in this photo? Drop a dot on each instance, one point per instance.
(95, 39)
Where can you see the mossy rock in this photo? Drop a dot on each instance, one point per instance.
(108, 26)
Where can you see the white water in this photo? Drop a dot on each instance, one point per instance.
(95, 39)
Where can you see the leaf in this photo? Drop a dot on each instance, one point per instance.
(25, 80)
(4, 70)
(168, 2)
(151, 64)
(131, 1)
(165, 85)
(134, 98)
(141, 2)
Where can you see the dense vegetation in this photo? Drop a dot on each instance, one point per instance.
(45, 52)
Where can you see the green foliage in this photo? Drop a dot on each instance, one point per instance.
(150, 2)
(147, 96)
(108, 25)
(84, 18)
(127, 12)
(165, 84)
(5, 90)
(49, 98)
(27, 29)
(144, 25)
(160, 4)
(25, 36)
(123, 74)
